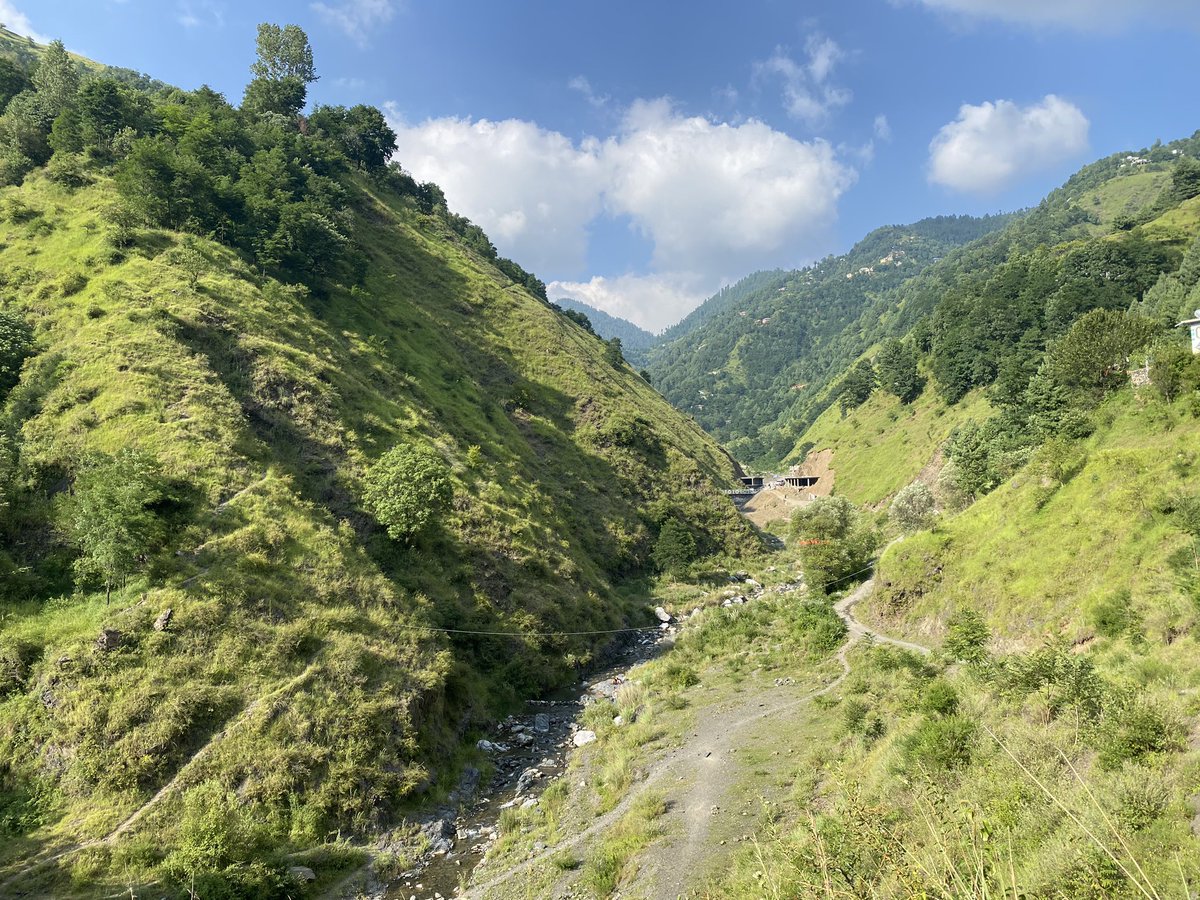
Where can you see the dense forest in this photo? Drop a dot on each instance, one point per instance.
(751, 364)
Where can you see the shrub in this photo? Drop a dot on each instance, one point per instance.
(1113, 615)
(940, 698)
(854, 714)
(913, 507)
(675, 549)
(966, 636)
(406, 488)
(16, 343)
(835, 544)
(939, 745)
(218, 841)
(1134, 728)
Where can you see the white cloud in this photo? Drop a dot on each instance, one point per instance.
(194, 13)
(357, 18)
(583, 86)
(15, 20)
(533, 191)
(991, 145)
(882, 128)
(1087, 15)
(807, 92)
(715, 200)
(650, 301)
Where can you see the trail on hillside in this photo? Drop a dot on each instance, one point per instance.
(174, 786)
(699, 775)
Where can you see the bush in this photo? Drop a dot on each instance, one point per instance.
(218, 841)
(16, 343)
(835, 544)
(939, 698)
(913, 507)
(939, 745)
(406, 488)
(675, 549)
(1134, 728)
(1113, 614)
(966, 636)
(854, 714)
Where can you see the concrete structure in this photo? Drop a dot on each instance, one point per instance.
(1194, 325)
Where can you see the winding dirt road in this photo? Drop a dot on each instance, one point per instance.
(698, 777)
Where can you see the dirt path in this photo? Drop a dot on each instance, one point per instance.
(174, 786)
(701, 774)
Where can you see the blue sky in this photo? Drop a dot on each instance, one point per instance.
(638, 156)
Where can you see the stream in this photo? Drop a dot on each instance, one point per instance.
(528, 751)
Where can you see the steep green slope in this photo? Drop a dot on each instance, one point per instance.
(753, 367)
(264, 405)
(884, 444)
(1050, 551)
(313, 676)
(635, 341)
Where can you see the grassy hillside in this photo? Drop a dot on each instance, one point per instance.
(1048, 554)
(298, 668)
(884, 444)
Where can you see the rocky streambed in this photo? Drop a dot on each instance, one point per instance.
(527, 752)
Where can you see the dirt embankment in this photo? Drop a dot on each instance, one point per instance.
(776, 504)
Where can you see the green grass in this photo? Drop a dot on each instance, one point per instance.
(884, 444)
(247, 389)
(1127, 194)
(1034, 557)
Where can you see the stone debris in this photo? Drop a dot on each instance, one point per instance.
(164, 619)
(110, 639)
(583, 737)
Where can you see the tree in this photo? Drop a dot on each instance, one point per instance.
(56, 79)
(966, 636)
(857, 386)
(1091, 358)
(406, 488)
(282, 72)
(913, 507)
(361, 132)
(1185, 180)
(112, 516)
(612, 352)
(16, 340)
(675, 549)
(896, 369)
(13, 80)
(835, 544)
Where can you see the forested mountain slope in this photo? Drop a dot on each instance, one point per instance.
(752, 363)
(1041, 319)
(272, 417)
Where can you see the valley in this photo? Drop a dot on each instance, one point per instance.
(342, 557)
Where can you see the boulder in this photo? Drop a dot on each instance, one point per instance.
(583, 737)
(541, 723)
(528, 777)
(110, 639)
(662, 614)
(303, 874)
(164, 619)
(441, 834)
